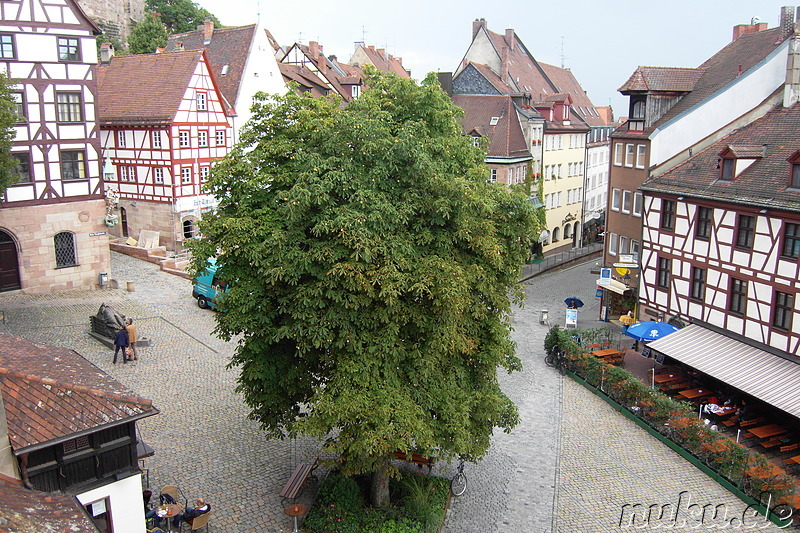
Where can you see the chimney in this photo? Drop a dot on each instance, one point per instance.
(208, 30)
(477, 25)
(504, 65)
(314, 49)
(744, 29)
(106, 53)
(382, 53)
(787, 23)
(791, 87)
(510, 38)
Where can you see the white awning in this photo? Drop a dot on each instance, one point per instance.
(769, 378)
(613, 285)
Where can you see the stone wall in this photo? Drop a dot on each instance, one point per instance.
(154, 216)
(115, 17)
(33, 229)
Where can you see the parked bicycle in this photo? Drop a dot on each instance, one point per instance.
(556, 358)
(458, 485)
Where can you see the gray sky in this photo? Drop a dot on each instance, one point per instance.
(602, 42)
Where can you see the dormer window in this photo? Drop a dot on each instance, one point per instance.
(727, 169)
(735, 159)
(636, 120)
(794, 177)
(494, 121)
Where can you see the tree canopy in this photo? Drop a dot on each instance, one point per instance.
(371, 266)
(9, 165)
(147, 35)
(180, 16)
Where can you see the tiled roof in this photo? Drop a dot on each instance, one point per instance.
(385, 62)
(763, 183)
(133, 89)
(52, 393)
(669, 79)
(746, 151)
(228, 46)
(505, 138)
(307, 80)
(23, 511)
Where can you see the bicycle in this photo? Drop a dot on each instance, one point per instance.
(556, 358)
(458, 485)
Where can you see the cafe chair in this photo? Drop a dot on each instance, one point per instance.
(176, 494)
(198, 522)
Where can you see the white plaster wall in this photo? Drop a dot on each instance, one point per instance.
(125, 501)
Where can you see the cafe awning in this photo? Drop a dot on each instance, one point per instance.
(766, 376)
(613, 285)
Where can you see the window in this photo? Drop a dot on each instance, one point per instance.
(641, 151)
(120, 139)
(132, 173)
(19, 101)
(623, 244)
(23, 169)
(201, 101)
(64, 244)
(629, 154)
(663, 273)
(183, 139)
(355, 91)
(744, 232)
(155, 139)
(72, 165)
(698, 283)
(68, 49)
(635, 250)
(220, 135)
(702, 229)
(613, 240)
(784, 309)
(615, 199)
(727, 169)
(626, 201)
(493, 175)
(69, 107)
(186, 175)
(791, 240)
(202, 138)
(7, 47)
(188, 229)
(618, 150)
(738, 296)
(158, 176)
(204, 173)
(637, 204)
(795, 176)
(123, 173)
(668, 215)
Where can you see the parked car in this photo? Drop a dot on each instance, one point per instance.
(207, 286)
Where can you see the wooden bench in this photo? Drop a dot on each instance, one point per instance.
(296, 481)
(752, 422)
(416, 458)
(790, 447)
(598, 345)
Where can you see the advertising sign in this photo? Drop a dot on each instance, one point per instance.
(605, 276)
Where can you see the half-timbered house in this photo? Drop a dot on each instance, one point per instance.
(673, 113)
(52, 235)
(160, 139)
(68, 428)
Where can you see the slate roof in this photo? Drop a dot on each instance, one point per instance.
(31, 511)
(764, 183)
(143, 76)
(53, 394)
(505, 138)
(668, 79)
(228, 46)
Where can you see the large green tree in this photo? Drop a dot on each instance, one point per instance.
(9, 165)
(371, 267)
(147, 35)
(180, 16)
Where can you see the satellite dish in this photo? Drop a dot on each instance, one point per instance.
(544, 235)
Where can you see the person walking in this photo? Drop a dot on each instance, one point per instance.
(120, 343)
(131, 329)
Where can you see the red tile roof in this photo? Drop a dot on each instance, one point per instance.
(23, 510)
(505, 138)
(764, 183)
(52, 393)
(668, 79)
(134, 89)
(228, 46)
(305, 79)
(383, 61)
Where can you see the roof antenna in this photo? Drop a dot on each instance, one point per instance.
(755, 20)
(258, 11)
(563, 57)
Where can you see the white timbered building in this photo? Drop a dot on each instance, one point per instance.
(52, 235)
(163, 124)
(720, 252)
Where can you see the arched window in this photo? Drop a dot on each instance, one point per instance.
(64, 244)
(567, 230)
(556, 234)
(188, 228)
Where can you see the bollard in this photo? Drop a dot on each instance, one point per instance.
(131, 287)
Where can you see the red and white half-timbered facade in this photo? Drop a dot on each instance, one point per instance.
(52, 235)
(163, 125)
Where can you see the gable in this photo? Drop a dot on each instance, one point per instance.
(470, 81)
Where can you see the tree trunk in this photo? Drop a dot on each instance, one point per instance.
(379, 492)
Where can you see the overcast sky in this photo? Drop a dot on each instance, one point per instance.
(601, 41)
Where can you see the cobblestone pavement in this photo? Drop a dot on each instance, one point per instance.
(570, 465)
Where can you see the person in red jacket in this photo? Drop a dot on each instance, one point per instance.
(187, 515)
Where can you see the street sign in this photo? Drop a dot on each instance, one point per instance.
(605, 276)
(626, 265)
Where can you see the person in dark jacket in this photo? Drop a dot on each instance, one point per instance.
(121, 342)
(189, 514)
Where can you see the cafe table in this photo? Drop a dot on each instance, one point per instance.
(691, 394)
(664, 378)
(765, 473)
(608, 352)
(169, 510)
(771, 430)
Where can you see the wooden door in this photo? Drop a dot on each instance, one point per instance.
(9, 263)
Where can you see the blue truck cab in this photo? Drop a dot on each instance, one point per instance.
(207, 286)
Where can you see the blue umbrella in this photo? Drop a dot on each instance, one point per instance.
(650, 331)
(573, 302)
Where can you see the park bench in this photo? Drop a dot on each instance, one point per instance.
(416, 458)
(298, 478)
